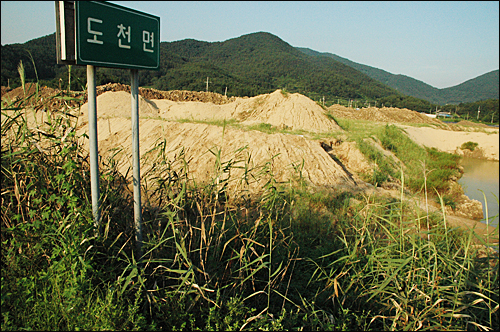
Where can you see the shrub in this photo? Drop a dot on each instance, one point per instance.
(469, 146)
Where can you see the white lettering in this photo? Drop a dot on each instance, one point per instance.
(146, 39)
(95, 33)
(124, 34)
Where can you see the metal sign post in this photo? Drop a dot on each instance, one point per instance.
(102, 34)
(93, 149)
(134, 91)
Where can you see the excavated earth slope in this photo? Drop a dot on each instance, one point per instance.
(280, 153)
(255, 154)
(384, 114)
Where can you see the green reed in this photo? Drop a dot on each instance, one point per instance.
(217, 256)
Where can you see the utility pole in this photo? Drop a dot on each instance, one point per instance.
(492, 117)
(225, 93)
(207, 84)
(478, 111)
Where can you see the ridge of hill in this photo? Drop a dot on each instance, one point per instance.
(266, 63)
(483, 87)
(248, 65)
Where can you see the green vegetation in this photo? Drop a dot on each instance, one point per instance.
(480, 88)
(254, 64)
(289, 258)
(469, 146)
(421, 166)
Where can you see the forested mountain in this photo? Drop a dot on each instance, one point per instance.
(263, 62)
(480, 88)
(43, 51)
(248, 65)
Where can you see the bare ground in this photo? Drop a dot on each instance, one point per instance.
(287, 156)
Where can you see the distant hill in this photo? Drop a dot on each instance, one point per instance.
(248, 65)
(263, 62)
(480, 88)
(43, 51)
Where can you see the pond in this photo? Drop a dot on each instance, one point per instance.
(482, 175)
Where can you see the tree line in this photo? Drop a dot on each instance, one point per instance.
(245, 66)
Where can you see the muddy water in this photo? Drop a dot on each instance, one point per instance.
(482, 175)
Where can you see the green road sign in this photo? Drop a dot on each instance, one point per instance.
(108, 35)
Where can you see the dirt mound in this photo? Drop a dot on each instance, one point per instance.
(292, 111)
(118, 104)
(467, 123)
(5, 90)
(283, 111)
(47, 98)
(148, 93)
(173, 95)
(384, 114)
(18, 93)
(278, 153)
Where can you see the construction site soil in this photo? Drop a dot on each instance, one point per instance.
(192, 125)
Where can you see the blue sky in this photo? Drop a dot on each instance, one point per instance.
(440, 43)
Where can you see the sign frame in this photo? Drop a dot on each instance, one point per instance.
(65, 32)
(102, 34)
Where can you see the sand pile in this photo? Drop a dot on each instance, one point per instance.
(280, 153)
(384, 114)
(294, 111)
(283, 111)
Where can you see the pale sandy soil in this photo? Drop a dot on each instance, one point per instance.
(279, 152)
(450, 141)
(328, 163)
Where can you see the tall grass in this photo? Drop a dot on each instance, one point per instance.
(218, 258)
(22, 75)
(440, 167)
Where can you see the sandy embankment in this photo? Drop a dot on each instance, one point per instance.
(293, 111)
(450, 141)
(338, 168)
(158, 122)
